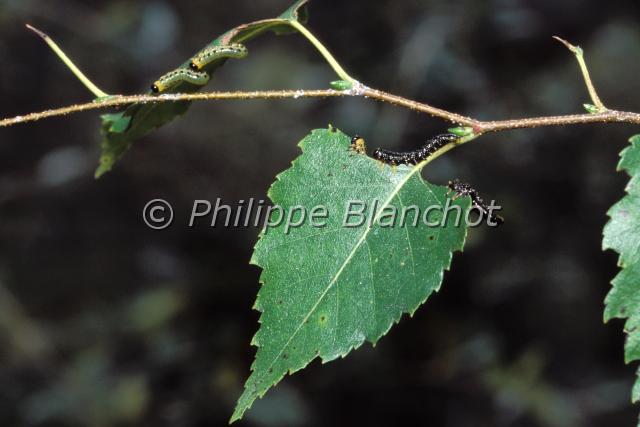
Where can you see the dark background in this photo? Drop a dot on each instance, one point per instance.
(104, 322)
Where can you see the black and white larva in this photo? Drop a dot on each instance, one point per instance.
(211, 53)
(414, 157)
(173, 78)
(461, 189)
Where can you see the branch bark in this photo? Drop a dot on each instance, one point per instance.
(479, 127)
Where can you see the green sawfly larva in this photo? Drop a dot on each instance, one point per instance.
(210, 54)
(173, 78)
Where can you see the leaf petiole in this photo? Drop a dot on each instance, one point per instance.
(324, 52)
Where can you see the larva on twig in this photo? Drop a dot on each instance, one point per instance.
(173, 78)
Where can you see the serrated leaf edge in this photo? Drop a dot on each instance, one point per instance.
(607, 315)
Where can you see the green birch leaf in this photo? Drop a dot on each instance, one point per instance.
(622, 234)
(326, 290)
(121, 130)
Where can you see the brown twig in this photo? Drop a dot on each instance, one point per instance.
(608, 116)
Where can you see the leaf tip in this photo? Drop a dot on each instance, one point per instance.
(105, 165)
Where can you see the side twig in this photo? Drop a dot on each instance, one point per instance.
(99, 93)
(579, 54)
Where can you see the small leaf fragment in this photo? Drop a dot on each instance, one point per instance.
(341, 85)
(591, 108)
(461, 131)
